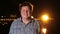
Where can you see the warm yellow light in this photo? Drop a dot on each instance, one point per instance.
(44, 30)
(32, 17)
(45, 17)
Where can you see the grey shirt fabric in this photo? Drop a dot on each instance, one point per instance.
(18, 27)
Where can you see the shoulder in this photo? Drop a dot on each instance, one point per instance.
(16, 20)
(37, 23)
(36, 20)
(14, 23)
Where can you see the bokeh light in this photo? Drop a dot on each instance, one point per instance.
(44, 30)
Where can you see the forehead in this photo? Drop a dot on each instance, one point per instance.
(25, 7)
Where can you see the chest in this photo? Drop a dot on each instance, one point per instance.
(28, 29)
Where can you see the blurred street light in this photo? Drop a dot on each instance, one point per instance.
(1, 16)
(45, 17)
(44, 30)
(45, 20)
(32, 17)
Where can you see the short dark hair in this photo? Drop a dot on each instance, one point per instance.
(26, 4)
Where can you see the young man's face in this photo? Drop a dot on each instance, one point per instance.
(25, 12)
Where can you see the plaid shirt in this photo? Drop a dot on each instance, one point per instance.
(18, 27)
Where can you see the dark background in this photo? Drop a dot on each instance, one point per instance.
(8, 7)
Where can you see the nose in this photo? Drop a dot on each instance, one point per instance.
(26, 11)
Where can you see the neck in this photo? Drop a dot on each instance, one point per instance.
(25, 20)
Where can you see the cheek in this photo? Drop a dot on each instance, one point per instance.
(29, 13)
(22, 13)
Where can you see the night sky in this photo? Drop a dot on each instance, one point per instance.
(8, 7)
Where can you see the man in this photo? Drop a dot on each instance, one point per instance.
(25, 24)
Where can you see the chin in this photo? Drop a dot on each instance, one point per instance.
(24, 17)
